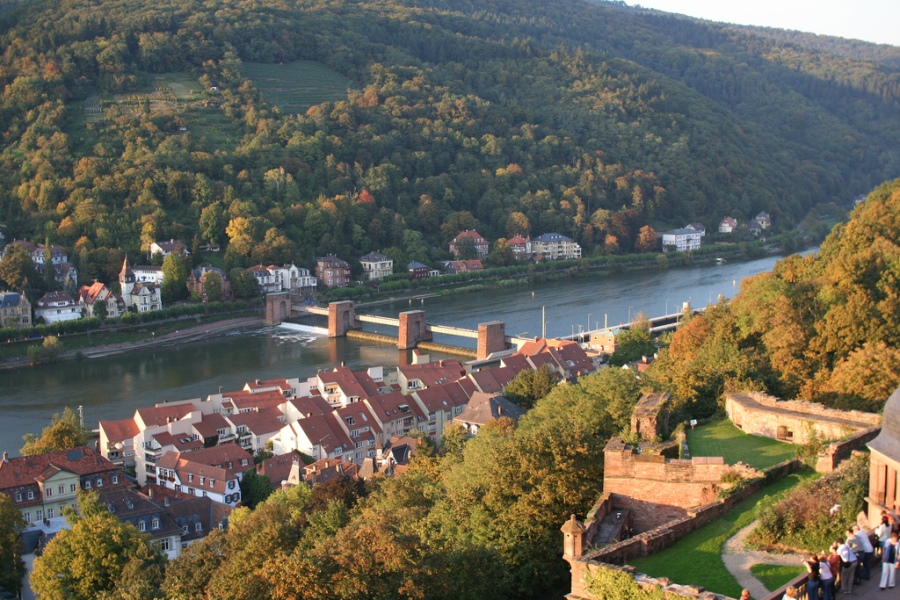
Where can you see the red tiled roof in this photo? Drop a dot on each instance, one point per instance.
(391, 406)
(311, 405)
(434, 373)
(277, 468)
(160, 415)
(181, 442)
(210, 425)
(327, 469)
(324, 431)
(243, 400)
(358, 384)
(261, 422)
(121, 429)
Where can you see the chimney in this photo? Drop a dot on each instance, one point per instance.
(6, 457)
(150, 492)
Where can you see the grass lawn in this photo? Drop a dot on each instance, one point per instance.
(294, 87)
(722, 438)
(775, 576)
(697, 557)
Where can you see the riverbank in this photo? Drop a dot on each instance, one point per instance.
(187, 333)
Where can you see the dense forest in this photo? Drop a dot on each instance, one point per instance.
(480, 518)
(509, 117)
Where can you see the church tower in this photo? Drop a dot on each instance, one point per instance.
(126, 282)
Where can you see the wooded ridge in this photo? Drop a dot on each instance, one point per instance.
(124, 123)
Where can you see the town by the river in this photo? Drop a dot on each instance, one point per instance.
(113, 387)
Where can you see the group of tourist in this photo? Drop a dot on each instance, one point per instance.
(850, 560)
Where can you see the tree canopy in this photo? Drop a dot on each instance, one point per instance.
(64, 432)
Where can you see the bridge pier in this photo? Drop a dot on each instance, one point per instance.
(278, 308)
(491, 338)
(341, 318)
(412, 329)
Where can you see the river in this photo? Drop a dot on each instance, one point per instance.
(113, 387)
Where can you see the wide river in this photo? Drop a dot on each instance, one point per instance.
(112, 388)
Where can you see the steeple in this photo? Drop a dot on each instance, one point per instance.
(126, 281)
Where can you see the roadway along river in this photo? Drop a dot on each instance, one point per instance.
(112, 388)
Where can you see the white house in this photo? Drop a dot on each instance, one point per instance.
(682, 239)
(268, 281)
(293, 279)
(376, 265)
(142, 296)
(213, 473)
(166, 248)
(56, 307)
(728, 225)
(148, 274)
(90, 297)
(555, 246)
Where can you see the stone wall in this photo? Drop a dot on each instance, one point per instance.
(652, 541)
(659, 489)
(829, 459)
(793, 420)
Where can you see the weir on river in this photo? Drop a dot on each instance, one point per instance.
(112, 388)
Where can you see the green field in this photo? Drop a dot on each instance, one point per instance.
(294, 87)
(722, 438)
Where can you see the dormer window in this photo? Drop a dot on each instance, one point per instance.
(99, 482)
(190, 477)
(142, 526)
(198, 526)
(87, 484)
(115, 479)
(18, 497)
(212, 482)
(184, 529)
(155, 523)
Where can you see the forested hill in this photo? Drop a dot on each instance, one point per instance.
(124, 122)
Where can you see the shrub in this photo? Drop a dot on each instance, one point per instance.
(803, 519)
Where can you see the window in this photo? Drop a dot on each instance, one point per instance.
(231, 485)
(198, 526)
(72, 487)
(202, 479)
(18, 497)
(49, 513)
(115, 478)
(177, 487)
(39, 515)
(155, 523)
(61, 490)
(164, 545)
(184, 529)
(350, 420)
(190, 477)
(354, 433)
(142, 526)
(360, 444)
(212, 482)
(99, 482)
(28, 517)
(48, 492)
(243, 462)
(204, 493)
(87, 484)
(30, 495)
(190, 491)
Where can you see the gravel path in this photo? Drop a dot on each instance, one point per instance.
(738, 561)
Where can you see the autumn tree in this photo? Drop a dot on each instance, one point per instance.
(646, 240)
(64, 432)
(17, 269)
(90, 559)
(213, 285)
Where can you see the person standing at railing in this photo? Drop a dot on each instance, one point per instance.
(834, 562)
(848, 566)
(867, 550)
(827, 578)
(883, 531)
(889, 564)
(813, 577)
